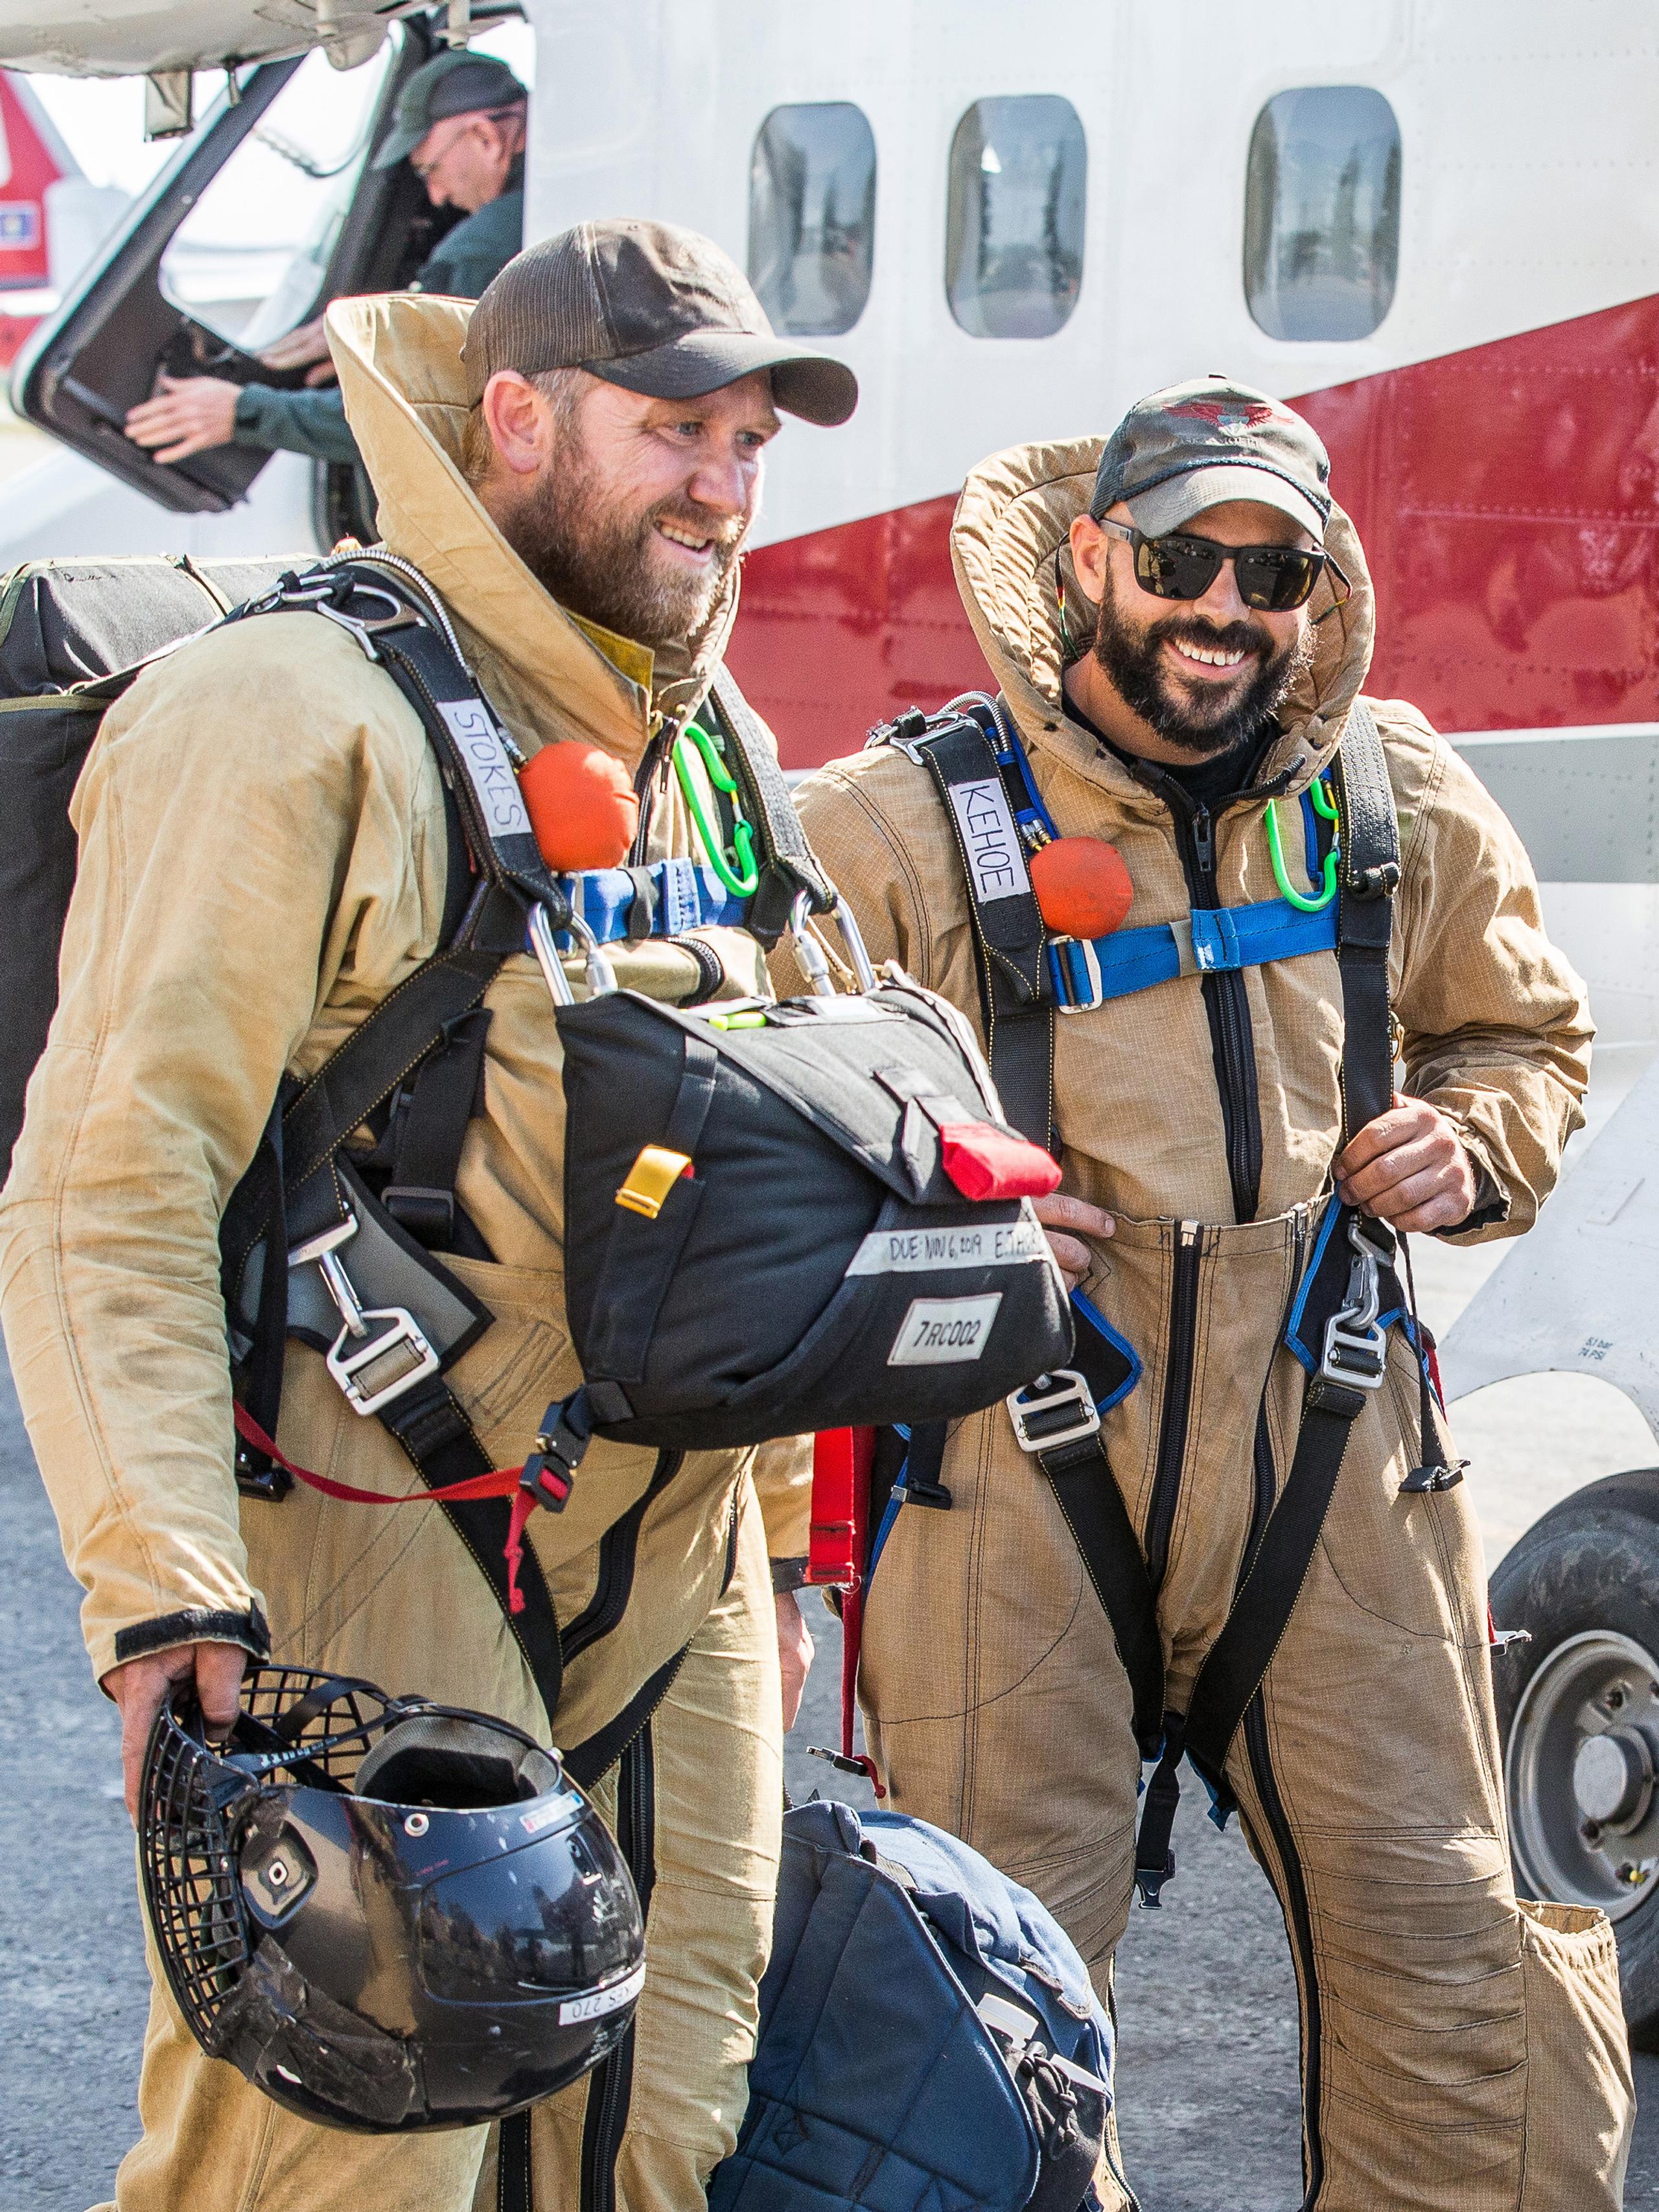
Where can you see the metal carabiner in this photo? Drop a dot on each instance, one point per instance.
(598, 973)
(810, 952)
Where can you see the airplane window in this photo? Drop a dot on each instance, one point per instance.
(1013, 249)
(1322, 213)
(813, 216)
(249, 258)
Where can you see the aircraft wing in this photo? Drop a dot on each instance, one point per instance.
(137, 37)
(1580, 1293)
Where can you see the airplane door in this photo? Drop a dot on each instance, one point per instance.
(269, 210)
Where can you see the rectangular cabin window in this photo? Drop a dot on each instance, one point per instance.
(1013, 251)
(813, 216)
(1322, 213)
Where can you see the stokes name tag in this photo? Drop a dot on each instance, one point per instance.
(487, 765)
(603, 2000)
(991, 841)
(936, 1330)
(915, 1251)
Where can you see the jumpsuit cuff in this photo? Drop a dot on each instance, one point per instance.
(1492, 1201)
(197, 1624)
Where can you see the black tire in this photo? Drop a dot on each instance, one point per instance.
(1583, 1581)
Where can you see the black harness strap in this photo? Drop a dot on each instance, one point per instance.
(1015, 1001)
(787, 867)
(431, 1128)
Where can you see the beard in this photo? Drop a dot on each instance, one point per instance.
(610, 566)
(1190, 714)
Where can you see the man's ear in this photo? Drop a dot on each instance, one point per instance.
(519, 420)
(1090, 547)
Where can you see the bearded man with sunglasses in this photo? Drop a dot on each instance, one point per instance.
(1159, 873)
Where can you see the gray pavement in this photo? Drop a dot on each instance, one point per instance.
(1207, 2073)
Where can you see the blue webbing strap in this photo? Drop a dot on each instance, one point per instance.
(684, 895)
(1222, 937)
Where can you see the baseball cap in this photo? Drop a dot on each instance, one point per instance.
(454, 83)
(1198, 444)
(652, 307)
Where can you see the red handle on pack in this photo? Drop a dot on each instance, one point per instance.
(500, 1482)
(838, 1545)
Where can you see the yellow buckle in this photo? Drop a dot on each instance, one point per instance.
(651, 1178)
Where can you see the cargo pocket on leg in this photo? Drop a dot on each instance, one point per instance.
(1580, 2096)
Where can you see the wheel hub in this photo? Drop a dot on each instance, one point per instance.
(1581, 1771)
(1612, 1778)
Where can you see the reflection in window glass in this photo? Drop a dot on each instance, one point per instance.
(813, 216)
(1322, 213)
(249, 258)
(1013, 247)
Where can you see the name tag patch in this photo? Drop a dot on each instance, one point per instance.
(938, 1330)
(916, 1251)
(603, 2000)
(487, 765)
(994, 855)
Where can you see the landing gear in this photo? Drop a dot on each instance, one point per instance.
(1578, 1709)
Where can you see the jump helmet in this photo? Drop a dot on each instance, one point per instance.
(388, 1914)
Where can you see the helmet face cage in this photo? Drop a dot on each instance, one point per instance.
(209, 1815)
(189, 1799)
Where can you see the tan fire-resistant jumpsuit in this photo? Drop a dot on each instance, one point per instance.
(262, 859)
(1460, 2052)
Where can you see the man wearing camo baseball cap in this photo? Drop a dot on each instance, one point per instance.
(1236, 1530)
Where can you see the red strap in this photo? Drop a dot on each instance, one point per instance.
(984, 1163)
(500, 1482)
(852, 1639)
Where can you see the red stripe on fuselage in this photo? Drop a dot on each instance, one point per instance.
(1507, 496)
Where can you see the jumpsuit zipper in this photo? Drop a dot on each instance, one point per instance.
(1228, 1004)
(618, 1548)
(1178, 1398)
(610, 2093)
(1298, 1922)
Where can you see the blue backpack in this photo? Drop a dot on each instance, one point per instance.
(929, 2038)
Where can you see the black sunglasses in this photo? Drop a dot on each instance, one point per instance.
(1273, 578)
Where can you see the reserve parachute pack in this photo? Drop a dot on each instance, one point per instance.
(929, 2035)
(780, 1216)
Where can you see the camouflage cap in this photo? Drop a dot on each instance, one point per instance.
(649, 307)
(454, 83)
(1196, 444)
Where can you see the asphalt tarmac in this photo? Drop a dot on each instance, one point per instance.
(1207, 2075)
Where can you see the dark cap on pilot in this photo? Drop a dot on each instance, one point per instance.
(652, 307)
(1197, 445)
(454, 83)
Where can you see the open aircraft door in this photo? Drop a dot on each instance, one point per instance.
(174, 291)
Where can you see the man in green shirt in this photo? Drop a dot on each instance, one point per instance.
(460, 125)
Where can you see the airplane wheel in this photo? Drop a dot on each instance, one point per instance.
(1579, 1713)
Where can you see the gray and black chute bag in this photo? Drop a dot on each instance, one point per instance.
(72, 635)
(810, 1215)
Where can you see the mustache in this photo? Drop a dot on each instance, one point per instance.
(1246, 637)
(726, 532)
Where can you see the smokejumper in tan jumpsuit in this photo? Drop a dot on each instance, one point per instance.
(263, 860)
(1462, 2052)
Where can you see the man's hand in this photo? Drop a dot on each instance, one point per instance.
(187, 416)
(139, 1687)
(1058, 1214)
(1408, 1167)
(298, 348)
(795, 1650)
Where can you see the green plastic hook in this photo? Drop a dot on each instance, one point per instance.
(1323, 804)
(733, 865)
